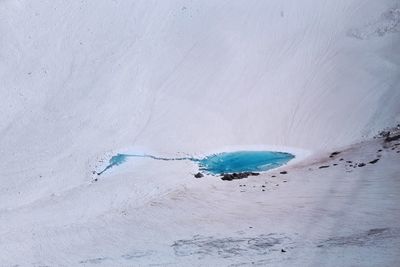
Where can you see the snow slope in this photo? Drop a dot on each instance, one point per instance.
(81, 80)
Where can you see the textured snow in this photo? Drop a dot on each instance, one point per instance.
(83, 80)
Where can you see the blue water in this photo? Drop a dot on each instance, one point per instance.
(244, 161)
(227, 162)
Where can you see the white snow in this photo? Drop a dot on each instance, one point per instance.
(82, 80)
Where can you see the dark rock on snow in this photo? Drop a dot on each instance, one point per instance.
(235, 176)
(385, 134)
(324, 166)
(334, 154)
(198, 175)
(392, 138)
(374, 161)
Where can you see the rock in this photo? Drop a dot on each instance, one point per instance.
(273, 175)
(349, 161)
(240, 175)
(283, 172)
(243, 175)
(374, 161)
(323, 166)
(230, 177)
(227, 177)
(392, 138)
(334, 164)
(384, 134)
(198, 175)
(361, 164)
(334, 154)
(282, 250)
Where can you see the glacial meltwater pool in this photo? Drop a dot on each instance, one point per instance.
(243, 161)
(226, 162)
